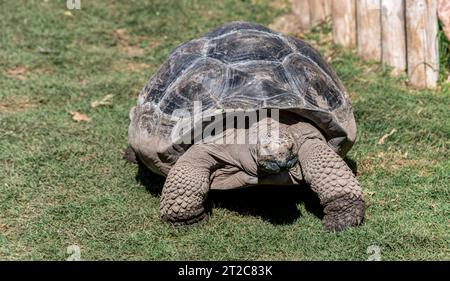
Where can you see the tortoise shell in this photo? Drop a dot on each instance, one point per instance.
(247, 66)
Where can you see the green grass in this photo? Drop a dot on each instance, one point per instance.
(63, 183)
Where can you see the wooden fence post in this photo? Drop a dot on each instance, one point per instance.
(422, 45)
(368, 33)
(301, 10)
(343, 13)
(328, 4)
(393, 38)
(318, 11)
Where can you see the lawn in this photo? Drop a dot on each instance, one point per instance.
(64, 183)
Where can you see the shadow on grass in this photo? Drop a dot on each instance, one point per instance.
(352, 165)
(151, 181)
(275, 204)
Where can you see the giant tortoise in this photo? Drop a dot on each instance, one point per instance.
(304, 123)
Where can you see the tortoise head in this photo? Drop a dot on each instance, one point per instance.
(276, 150)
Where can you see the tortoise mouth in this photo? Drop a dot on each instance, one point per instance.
(273, 166)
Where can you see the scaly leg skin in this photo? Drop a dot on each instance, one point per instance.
(186, 188)
(338, 190)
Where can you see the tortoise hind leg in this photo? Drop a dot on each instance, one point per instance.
(338, 190)
(186, 187)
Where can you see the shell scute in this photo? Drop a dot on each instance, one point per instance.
(246, 46)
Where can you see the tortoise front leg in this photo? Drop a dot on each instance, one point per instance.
(330, 177)
(186, 188)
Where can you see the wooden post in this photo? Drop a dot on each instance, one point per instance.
(393, 38)
(422, 45)
(300, 8)
(318, 11)
(343, 13)
(368, 18)
(328, 4)
(444, 16)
